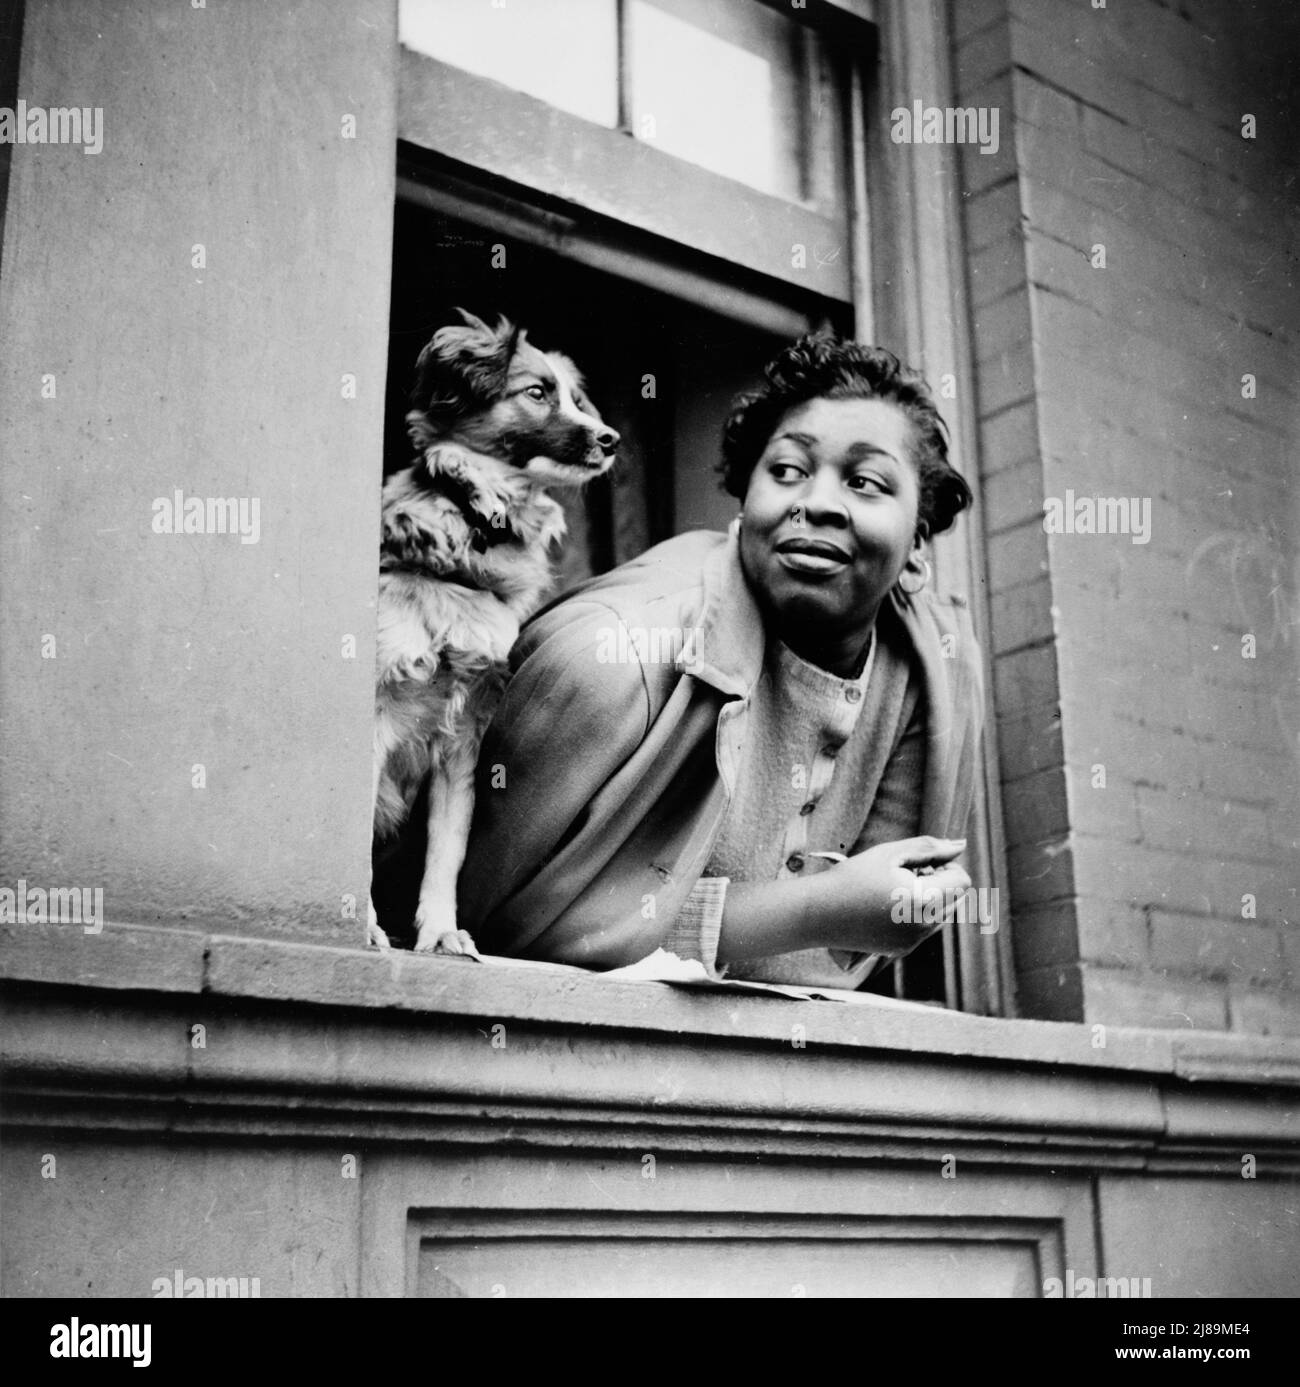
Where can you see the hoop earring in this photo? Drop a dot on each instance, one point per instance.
(911, 589)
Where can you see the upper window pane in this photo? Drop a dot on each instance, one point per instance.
(722, 85)
(564, 52)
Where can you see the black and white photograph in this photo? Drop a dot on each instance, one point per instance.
(650, 649)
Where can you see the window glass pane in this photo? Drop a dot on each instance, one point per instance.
(723, 85)
(564, 52)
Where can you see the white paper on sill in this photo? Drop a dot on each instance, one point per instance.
(662, 966)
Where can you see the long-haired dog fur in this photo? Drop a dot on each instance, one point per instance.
(463, 561)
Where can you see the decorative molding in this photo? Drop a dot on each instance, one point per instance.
(455, 1252)
(888, 1216)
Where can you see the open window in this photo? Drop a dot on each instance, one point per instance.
(667, 191)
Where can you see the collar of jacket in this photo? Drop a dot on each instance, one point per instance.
(726, 647)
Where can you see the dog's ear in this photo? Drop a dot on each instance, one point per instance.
(460, 370)
(471, 321)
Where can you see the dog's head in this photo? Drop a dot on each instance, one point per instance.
(492, 391)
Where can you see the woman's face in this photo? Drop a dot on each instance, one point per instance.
(829, 520)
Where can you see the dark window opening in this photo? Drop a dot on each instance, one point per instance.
(660, 368)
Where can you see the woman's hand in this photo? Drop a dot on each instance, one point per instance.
(889, 898)
(885, 900)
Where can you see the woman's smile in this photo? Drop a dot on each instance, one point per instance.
(815, 558)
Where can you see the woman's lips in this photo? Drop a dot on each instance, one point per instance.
(811, 556)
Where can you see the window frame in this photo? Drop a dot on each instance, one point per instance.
(921, 308)
(550, 152)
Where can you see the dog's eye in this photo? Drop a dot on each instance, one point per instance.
(535, 392)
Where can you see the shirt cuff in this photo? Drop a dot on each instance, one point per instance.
(698, 925)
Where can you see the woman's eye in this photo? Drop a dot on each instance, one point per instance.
(786, 471)
(864, 482)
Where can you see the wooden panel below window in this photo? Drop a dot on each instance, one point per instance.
(590, 1254)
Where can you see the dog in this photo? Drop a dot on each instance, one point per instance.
(466, 536)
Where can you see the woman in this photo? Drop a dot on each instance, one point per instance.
(684, 738)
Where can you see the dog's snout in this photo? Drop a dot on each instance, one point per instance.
(607, 440)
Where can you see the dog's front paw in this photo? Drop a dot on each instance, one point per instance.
(437, 934)
(375, 936)
(452, 941)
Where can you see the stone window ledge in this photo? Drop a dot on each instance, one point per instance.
(182, 963)
(177, 1035)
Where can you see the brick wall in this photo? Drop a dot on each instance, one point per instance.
(1149, 766)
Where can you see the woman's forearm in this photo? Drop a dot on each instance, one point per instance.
(855, 905)
(771, 917)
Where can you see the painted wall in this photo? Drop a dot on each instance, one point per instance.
(1148, 693)
(184, 725)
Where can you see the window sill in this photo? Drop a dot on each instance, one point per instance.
(307, 1040)
(145, 958)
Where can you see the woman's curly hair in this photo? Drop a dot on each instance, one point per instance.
(823, 366)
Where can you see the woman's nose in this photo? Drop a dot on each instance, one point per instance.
(823, 498)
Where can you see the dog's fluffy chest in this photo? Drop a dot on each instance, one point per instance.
(463, 561)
